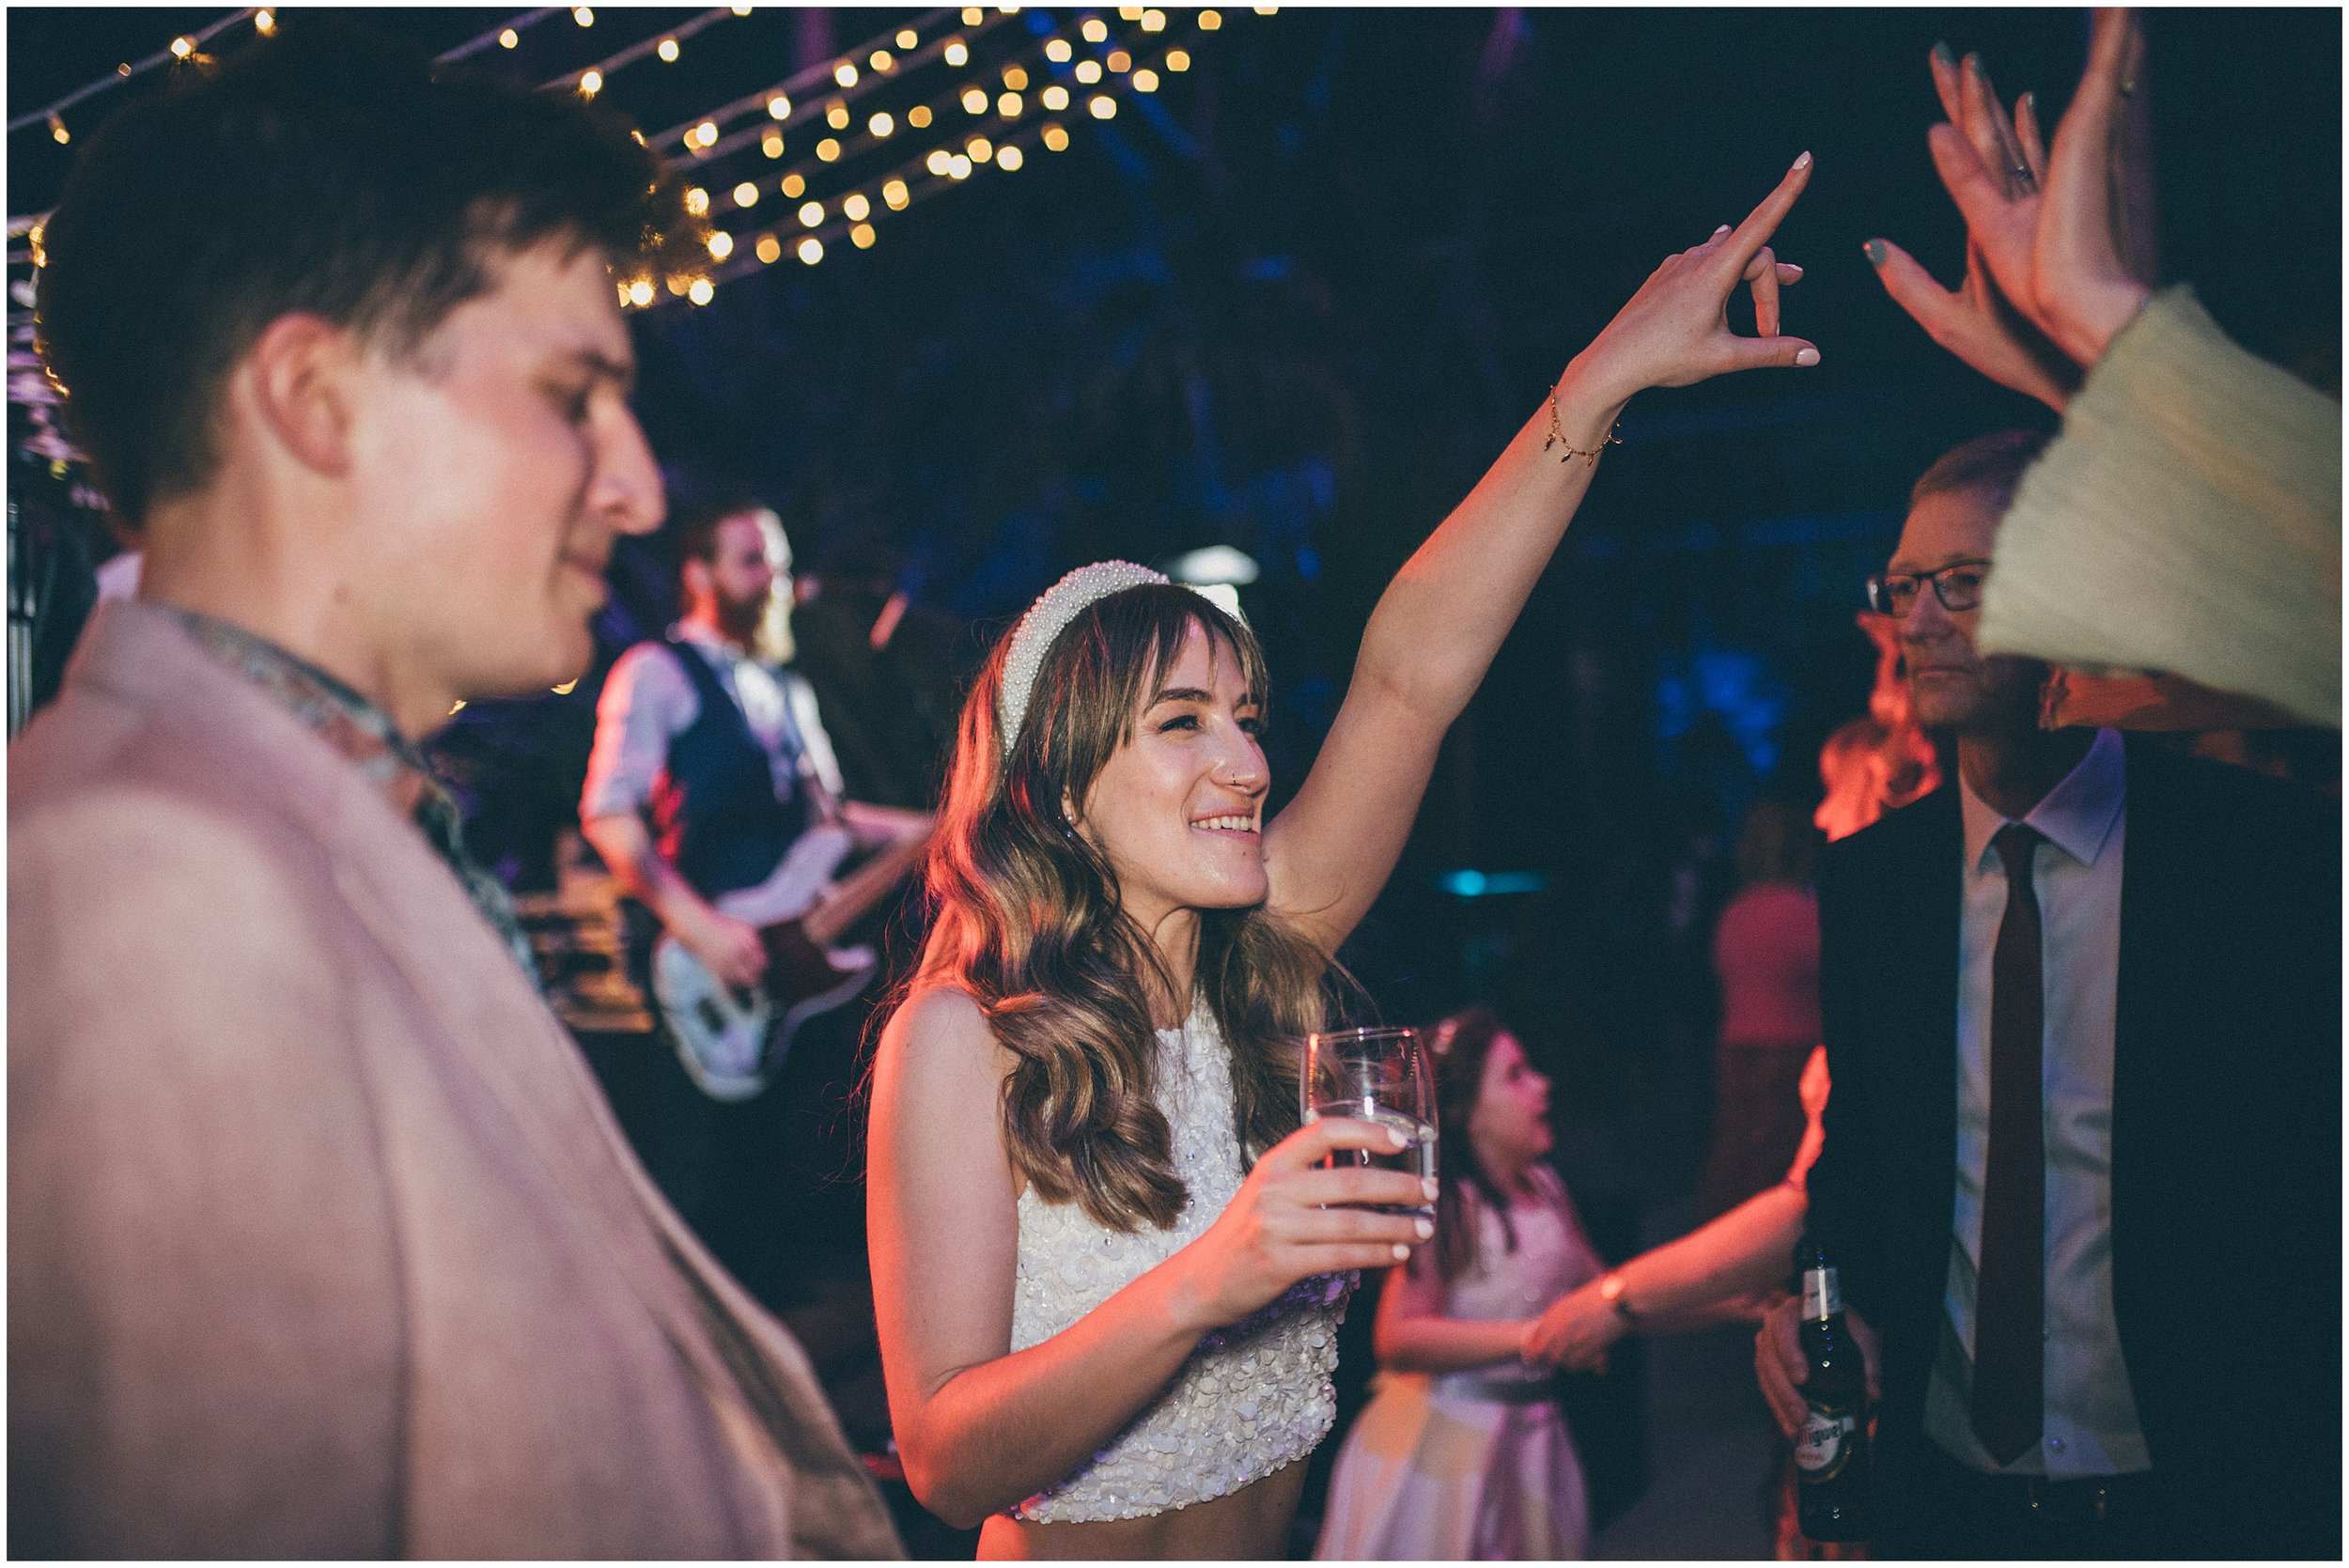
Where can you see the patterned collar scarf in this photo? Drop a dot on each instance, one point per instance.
(364, 734)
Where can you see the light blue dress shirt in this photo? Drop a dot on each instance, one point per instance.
(2092, 1423)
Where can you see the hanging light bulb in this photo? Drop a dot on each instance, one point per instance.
(1008, 105)
(57, 131)
(265, 22)
(958, 53)
(640, 292)
(811, 214)
(1088, 71)
(1055, 138)
(894, 193)
(1056, 98)
(973, 16)
(1058, 51)
(881, 59)
(907, 38)
(810, 250)
(1145, 80)
(836, 115)
(829, 150)
(696, 201)
(583, 15)
(770, 250)
(1209, 21)
(771, 143)
(864, 236)
(1154, 21)
(667, 50)
(1103, 106)
(845, 73)
(1008, 157)
(508, 38)
(701, 293)
(1014, 78)
(182, 46)
(721, 245)
(855, 208)
(590, 81)
(974, 100)
(779, 107)
(1096, 30)
(981, 150)
(746, 195)
(960, 168)
(939, 162)
(881, 126)
(793, 187)
(1178, 59)
(918, 117)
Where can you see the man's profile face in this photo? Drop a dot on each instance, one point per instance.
(1951, 686)
(496, 464)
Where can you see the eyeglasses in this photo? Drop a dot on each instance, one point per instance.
(1957, 586)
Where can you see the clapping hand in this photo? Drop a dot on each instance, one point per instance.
(2047, 285)
(1675, 329)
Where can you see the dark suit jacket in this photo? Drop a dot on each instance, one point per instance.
(2226, 1135)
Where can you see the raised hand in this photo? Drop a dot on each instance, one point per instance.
(1675, 329)
(1291, 1220)
(2041, 228)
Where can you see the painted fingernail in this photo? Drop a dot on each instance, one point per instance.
(1942, 56)
(1427, 1186)
(1398, 1137)
(1424, 1227)
(1803, 161)
(1806, 356)
(1402, 1253)
(1875, 253)
(2028, 104)
(1973, 65)
(1718, 232)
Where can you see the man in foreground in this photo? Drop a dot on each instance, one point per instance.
(321, 1240)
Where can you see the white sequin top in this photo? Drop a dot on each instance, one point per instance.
(1253, 1397)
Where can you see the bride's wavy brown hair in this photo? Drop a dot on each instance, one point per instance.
(1027, 919)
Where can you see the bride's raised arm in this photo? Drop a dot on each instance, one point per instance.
(1439, 624)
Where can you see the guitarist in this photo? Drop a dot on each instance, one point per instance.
(711, 762)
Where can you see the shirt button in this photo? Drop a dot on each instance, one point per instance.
(2055, 1445)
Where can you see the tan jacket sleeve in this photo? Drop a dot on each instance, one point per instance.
(204, 1307)
(2187, 520)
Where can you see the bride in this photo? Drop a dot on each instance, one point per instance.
(1108, 1266)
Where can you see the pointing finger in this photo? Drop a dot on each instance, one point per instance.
(1763, 220)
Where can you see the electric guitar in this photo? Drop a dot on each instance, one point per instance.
(732, 1039)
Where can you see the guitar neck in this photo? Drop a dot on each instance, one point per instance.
(863, 888)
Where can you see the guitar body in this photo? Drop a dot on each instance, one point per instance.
(731, 1040)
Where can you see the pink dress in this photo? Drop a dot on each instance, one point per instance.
(1474, 1466)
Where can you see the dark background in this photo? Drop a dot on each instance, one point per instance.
(1296, 301)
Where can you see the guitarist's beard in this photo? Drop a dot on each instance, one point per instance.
(745, 625)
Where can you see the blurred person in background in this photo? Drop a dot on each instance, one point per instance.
(1462, 1451)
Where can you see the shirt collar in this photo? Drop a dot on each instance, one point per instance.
(357, 729)
(2077, 816)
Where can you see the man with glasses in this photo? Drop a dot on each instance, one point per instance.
(2082, 1007)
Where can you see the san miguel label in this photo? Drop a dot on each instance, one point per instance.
(1825, 1445)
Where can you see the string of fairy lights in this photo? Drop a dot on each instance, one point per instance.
(1024, 97)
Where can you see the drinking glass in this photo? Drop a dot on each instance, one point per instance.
(1376, 1075)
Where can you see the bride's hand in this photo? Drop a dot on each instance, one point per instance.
(1675, 329)
(1292, 1219)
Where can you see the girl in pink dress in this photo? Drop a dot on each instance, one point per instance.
(1462, 1451)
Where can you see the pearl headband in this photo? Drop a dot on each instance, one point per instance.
(1047, 618)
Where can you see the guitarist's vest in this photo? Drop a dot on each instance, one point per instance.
(717, 810)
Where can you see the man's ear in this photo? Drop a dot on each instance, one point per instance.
(300, 383)
(695, 579)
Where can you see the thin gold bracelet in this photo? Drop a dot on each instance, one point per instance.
(1557, 436)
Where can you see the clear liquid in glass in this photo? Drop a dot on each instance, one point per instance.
(1418, 1159)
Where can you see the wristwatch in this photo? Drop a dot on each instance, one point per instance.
(1611, 1292)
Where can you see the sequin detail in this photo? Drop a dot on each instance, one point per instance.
(1254, 1396)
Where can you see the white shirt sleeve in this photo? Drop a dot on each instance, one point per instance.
(646, 700)
(810, 724)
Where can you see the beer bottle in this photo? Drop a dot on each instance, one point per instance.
(1831, 1450)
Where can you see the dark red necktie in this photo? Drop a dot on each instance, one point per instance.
(2010, 1309)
